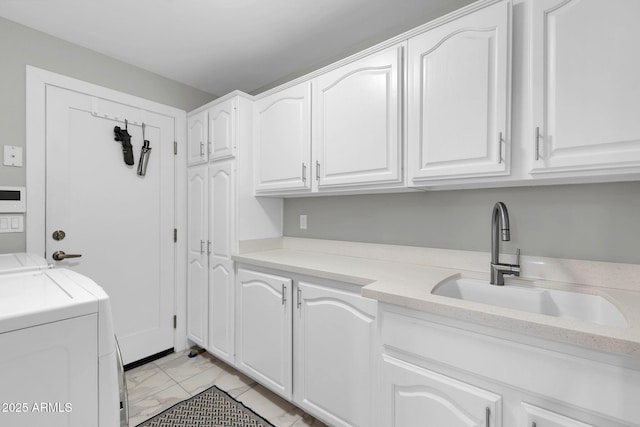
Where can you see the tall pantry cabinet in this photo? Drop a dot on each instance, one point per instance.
(221, 212)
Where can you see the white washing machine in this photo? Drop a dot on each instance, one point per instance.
(14, 263)
(59, 361)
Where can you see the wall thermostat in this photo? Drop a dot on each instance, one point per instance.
(13, 200)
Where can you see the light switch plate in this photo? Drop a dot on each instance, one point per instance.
(11, 223)
(12, 156)
(303, 222)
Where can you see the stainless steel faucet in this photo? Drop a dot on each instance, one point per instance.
(500, 226)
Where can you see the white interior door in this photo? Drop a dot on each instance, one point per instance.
(121, 223)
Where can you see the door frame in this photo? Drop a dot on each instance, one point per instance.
(37, 81)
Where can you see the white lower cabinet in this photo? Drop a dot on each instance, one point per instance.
(438, 371)
(310, 341)
(539, 417)
(264, 329)
(196, 255)
(211, 208)
(415, 396)
(334, 332)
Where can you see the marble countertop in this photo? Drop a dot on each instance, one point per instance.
(409, 284)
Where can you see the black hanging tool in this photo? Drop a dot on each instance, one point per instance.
(123, 137)
(144, 155)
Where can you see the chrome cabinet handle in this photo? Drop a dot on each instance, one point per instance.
(533, 424)
(299, 298)
(317, 170)
(60, 255)
(304, 173)
(487, 415)
(208, 247)
(284, 296)
(201, 247)
(500, 148)
(201, 149)
(537, 143)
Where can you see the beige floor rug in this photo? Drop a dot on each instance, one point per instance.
(211, 408)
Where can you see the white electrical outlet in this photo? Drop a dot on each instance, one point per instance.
(12, 156)
(303, 222)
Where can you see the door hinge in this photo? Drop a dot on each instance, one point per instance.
(175, 148)
(175, 321)
(175, 234)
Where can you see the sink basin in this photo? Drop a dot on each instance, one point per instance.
(550, 302)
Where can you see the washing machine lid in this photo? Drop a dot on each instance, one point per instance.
(13, 263)
(43, 296)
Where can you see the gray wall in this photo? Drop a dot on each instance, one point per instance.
(593, 222)
(20, 45)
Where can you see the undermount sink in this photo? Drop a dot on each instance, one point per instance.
(551, 302)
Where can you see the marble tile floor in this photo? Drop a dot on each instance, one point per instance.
(158, 385)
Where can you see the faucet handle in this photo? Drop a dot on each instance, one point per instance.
(517, 256)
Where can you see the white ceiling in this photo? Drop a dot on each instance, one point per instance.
(222, 45)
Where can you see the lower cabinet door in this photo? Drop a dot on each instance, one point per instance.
(221, 287)
(264, 329)
(414, 396)
(334, 333)
(539, 417)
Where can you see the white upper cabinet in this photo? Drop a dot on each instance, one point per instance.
(197, 138)
(222, 130)
(586, 86)
(282, 138)
(357, 122)
(459, 98)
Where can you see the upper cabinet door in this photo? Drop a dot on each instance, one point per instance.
(586, 85)
(459, 98)
(222, 130)
(282, 137)
(357, 122)
(197, 138)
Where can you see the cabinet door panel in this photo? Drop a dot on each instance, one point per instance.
(221, 330)
(333, 354)
(196, 138)
(282, 137)
(415, 396)
(264, 342)
(221, 235)
(357, 121)
(459, 97)
(538, 417)
(585, 83)
(221, 210)
(222, 130)
(197, 258)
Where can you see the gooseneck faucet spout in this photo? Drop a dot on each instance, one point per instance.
(500, 230)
